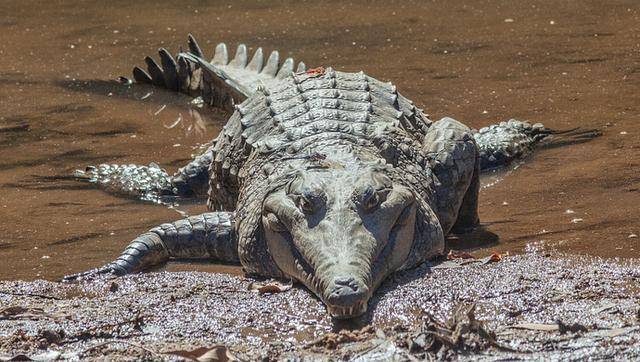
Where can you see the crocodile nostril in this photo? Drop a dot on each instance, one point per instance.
(346, 291)
(347, 282)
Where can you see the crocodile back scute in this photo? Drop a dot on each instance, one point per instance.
(314, 111)
(302, 110)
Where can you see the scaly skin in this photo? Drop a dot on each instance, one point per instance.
(336, 179)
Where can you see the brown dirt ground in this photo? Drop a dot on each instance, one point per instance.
(531, 306)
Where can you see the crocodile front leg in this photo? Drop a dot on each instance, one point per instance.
(209, 235)
(453, 155)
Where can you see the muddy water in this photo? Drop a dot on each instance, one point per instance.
(564, 63)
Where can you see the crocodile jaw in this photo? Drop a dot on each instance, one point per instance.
(348, 312)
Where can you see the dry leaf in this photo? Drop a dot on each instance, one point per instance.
(493, 258)
(206, 354)
(457, 254)
(272, 286)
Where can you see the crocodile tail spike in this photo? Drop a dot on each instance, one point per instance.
(256, 62)
(157, 75)
(170, 69)
(240, 60)
(272, 64)
(140, 76)
(221, 81)
(194, 48)
(221, 55)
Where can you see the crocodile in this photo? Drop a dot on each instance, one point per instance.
(332, 179)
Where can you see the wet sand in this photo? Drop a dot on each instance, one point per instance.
(566, 64)
(530, 306)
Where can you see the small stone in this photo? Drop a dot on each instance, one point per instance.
(623, 132)
(632, 236)
(508, 20)
(569, 211)
(577, 220)
(505, 203)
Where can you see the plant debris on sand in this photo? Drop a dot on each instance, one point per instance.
(529, 306)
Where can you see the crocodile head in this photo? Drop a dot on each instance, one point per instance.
(340, 232)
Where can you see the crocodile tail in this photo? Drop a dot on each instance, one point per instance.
(220, 82)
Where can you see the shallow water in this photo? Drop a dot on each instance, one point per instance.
(564, 63)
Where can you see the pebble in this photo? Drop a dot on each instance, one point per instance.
(632, 236)
(577, 220)
(569, 211)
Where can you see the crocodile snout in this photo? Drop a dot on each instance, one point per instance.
(346, 292)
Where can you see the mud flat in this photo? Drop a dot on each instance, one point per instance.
(566, 64)
(528, 306)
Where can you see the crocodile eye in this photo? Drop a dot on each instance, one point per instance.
(273, 222)
(305, 205)
(370, 199)
(310, 202)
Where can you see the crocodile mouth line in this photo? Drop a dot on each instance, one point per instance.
(353, 311)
